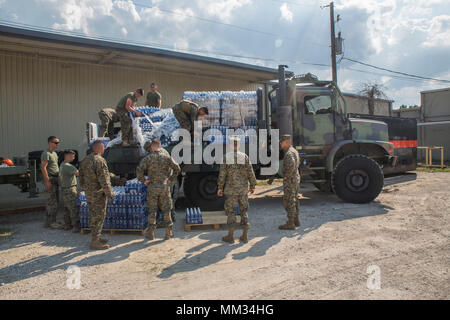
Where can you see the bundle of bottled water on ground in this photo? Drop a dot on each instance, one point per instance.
(127, 211)
(194, 216)
(227, 110)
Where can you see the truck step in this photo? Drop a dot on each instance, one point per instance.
(314, 181)
(317, 168)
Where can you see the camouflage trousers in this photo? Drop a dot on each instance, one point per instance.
(70, 206)
(159, 197)
(52, 201)
(126, 127)
(97, 211)
(290, 197)
(183, 119)
(231, 201)
(107, 126)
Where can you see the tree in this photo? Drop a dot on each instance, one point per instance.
(372, 91)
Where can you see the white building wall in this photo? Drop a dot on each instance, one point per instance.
(40, 97)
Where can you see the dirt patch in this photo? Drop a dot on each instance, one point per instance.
(403, 235)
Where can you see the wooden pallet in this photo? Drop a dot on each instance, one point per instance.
(114, 231)
(212, 220)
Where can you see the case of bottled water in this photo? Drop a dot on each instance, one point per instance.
(194, 216)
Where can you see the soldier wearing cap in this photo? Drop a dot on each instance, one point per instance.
(186, 112)
(68, 177)
(95, 181)
(291, 183)
(161, 170)
(235, 175)
(127, 103)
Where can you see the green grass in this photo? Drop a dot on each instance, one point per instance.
(5, 233)
(423, 169)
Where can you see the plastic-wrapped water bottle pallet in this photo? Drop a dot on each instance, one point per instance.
(212, 220)
(114, 231)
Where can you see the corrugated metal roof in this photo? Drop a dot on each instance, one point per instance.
(258, 73)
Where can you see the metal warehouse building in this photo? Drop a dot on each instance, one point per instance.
(53, 84)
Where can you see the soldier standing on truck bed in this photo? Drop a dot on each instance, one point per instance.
(235, 174)
(95, 181)
(50, 172)
(127, 103)
(186, 112)
(153, 97)
(161, 171)
(68, 177)
(108, 116)
(291, 183)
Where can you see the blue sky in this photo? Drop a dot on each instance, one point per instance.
(411, 36)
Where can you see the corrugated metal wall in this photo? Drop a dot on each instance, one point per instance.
(359, 105)
(40, 97)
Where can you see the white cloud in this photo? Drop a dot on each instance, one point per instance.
(286, 13)
(222, 9)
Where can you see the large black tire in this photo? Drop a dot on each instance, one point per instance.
(201, 190)
(357, 179)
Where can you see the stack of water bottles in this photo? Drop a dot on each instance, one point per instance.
(156, 123)
(227, 110)
(210, 99)
(194, 216)
(127, 211)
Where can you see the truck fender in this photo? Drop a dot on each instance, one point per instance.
(387, 147)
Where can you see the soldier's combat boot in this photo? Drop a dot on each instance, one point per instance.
(102, 240)
(149, 233)
(76, 228)
(244, 236)
(97, 245)
(297, 221)
(289, 225)
(56, 226)
(67, 227)
(230, 237)
(169, 233)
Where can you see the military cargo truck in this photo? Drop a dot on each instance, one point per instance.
(339, 153)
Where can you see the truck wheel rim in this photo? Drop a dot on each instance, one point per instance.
(357, 180)
(208, 187)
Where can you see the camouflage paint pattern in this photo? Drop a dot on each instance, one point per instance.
(369, 130)
(97, 212)
(235, 175)
(161, 171)
(70, 196)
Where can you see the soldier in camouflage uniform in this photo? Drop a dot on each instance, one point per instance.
(108, 117)
(68, 178)
(235, 174)
(127, 103)
(186, 112)
(147, 148)
(50, 173)
(291, 183)
(161, 171)
(95, 181)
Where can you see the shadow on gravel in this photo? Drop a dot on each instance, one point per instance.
(316, 209)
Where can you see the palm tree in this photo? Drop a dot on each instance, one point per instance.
(372, 91)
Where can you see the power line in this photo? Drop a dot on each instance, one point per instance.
(397, 72)
(213, 21)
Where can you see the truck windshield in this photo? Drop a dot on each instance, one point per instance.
(317, 104)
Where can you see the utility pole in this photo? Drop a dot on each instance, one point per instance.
(333, 42)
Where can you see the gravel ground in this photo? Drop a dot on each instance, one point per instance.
(404, 235)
